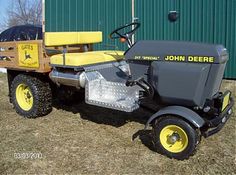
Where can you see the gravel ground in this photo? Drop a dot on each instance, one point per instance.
(82, 139)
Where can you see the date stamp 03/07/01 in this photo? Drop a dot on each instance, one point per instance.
(28, 155)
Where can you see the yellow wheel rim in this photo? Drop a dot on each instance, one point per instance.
(24, 97)
(174, 139)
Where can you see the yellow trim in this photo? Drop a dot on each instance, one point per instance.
(177, 147)
(72, 38)
(87, 58)
(225, 101)
(24, 97)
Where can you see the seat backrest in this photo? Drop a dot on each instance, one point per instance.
(71, 38)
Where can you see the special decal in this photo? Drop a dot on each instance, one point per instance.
(146, 58)
(178, 58)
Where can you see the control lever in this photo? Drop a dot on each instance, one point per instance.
(134, 82)
(143, 84)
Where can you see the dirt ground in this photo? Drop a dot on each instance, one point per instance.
(82, 139)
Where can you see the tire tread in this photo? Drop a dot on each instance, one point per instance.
(41, 92)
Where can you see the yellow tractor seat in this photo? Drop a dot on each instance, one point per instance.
(71, 38)
(86, 58)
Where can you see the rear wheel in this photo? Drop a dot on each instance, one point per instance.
(175, 137)
(30, 96)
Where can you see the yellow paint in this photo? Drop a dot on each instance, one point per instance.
(178, 146)
(87, 58)
(175, 58)
(28, 55)
(72, 38)
(24, 97)
(225, 101)
(201, 59)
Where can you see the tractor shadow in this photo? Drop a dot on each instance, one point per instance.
(101, 115)
(109, 117)
(146, 137)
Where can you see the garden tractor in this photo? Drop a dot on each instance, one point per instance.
(182, 79)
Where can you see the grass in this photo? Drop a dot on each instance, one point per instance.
(82, 139)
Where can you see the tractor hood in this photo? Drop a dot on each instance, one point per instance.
(175, 51)
(182, 73)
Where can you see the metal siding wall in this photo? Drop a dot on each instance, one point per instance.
(208, 21)
(152, 16)
(88, 15)
(231, 38)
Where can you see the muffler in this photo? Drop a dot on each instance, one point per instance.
(77, 80)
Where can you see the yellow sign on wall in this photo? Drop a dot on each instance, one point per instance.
(28, 55)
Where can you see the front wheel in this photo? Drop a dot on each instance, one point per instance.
(30, 96)
(175, 137)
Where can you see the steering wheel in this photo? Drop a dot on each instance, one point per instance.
(116, 34)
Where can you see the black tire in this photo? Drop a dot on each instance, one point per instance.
(40, 93)
(186, 130)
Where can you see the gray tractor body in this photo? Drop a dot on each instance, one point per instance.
(181, 78)
(182, 73)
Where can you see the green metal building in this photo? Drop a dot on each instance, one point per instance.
(208, 21)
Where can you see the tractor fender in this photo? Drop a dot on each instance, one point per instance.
(183, 112)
